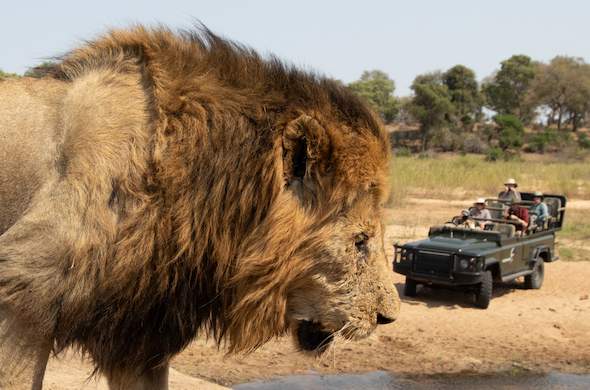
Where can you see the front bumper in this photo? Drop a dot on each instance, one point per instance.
(450, 278)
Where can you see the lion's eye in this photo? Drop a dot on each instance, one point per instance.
(360, 242)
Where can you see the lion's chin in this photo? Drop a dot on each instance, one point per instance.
(311, 336)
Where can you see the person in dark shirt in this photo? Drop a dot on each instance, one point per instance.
(519, 216)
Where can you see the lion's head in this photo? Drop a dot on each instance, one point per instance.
(317, 265)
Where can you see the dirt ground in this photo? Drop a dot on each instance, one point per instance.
(439, 331)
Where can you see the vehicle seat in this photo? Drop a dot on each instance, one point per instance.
(553, 206)
(505, 229)
(496, 208)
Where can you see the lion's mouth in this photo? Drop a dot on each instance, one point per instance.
(312, 336)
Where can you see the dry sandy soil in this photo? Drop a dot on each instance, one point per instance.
(437, 332)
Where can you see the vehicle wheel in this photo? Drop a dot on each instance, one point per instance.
(483, 294)
(535, 280)
(410, 288)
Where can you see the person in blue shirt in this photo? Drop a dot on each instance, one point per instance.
(538, 210)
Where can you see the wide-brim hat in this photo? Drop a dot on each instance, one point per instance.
(537, 194)
(511, 181)
(480, 201)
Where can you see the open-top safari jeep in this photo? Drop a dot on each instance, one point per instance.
(473, 259)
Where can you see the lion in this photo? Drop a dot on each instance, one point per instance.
(157, 185)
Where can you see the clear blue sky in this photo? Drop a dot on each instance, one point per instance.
(337, 38)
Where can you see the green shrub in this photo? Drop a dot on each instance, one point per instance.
(403, 152)
(494, 154)
(584, 141)
(511, 131)
(541, 141)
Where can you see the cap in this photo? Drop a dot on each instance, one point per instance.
(538, 194)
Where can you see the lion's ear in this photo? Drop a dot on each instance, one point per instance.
(303, 140)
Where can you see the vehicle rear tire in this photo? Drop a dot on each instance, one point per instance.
(410, 288)
(483, 295)
(535, 280)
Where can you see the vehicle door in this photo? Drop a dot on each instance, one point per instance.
(510, 257)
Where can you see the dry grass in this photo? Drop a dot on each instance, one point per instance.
(577, 225)
(573, 254)
(463, 177)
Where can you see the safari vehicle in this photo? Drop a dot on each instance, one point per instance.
(473, 259)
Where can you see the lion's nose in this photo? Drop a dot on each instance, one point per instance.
(383, 320)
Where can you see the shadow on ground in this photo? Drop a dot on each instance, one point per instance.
(451, 298)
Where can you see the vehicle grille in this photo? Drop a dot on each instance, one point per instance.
(433, 263)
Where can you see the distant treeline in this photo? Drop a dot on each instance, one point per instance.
(451, 111)
(447, 108)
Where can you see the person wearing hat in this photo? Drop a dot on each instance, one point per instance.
(539, 213)
(510, 194)
(480, 213)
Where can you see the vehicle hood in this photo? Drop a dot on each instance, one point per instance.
(470, 246)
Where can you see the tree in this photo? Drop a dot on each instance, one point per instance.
(464, 93)
(510, 131)
(563, 87)
(377, 89)
(506, 93)
(431, 104)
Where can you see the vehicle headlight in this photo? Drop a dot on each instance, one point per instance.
(469, 264)
(410, 256)
(463, 263)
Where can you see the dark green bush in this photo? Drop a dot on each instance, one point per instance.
(584, 141)
(511, 131)
(549, 140)
(540, 142)
(494, 154)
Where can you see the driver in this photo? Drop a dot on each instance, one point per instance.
(479, 212)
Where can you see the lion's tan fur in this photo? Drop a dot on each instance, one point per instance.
(169, 202)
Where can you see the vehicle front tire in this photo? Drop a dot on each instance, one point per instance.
(535, 280)
(483, 295)
(410, 287)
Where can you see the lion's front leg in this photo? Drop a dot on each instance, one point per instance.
(21, 366)
(154, 379)
(41, 359)
(33, 274)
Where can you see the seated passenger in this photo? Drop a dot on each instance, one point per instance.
(510, 194)
(519, 216)
(539, 213)
(479, 213)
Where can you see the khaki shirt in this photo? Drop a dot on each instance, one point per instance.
(511, 196)
(480, 214)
